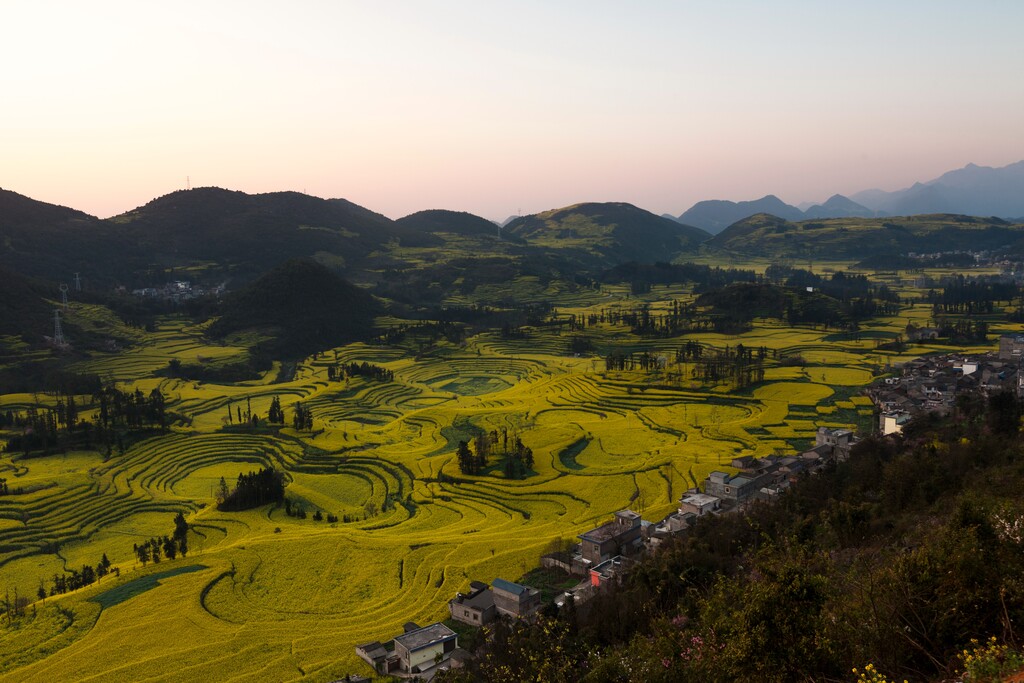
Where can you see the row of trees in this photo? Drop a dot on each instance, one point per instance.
(364, 369)
(45, 430)
(74, 579)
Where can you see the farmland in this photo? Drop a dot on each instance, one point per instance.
(263, 594)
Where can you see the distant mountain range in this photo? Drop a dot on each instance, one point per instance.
(972, 190)
(235, 236)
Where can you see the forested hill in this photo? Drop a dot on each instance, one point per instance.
(45, 240)
(306, 307)
(897, 558)
(618, 232)
(253, 233)
(439, 220)
(843, 238)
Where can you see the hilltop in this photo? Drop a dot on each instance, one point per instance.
(304, 305)
(440, 220)
(251, 233)
(715, 215)
(616, 231)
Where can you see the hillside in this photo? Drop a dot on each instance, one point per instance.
(715, 215)
(439, 220)
(841, 238)
(55, 242)
(250, 233)
(23, 310)
(618, 232)
(304, 305)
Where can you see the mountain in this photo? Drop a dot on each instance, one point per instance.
(54, 242)
(715, 215)
(618, 232)
(304, 305)
(251, 233)
(438, 220)
(839, 206)
(973, 190)
(842, 238)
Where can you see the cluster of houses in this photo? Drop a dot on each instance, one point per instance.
(421, 651)
(178, 290)
(606, 553)
(931, 384)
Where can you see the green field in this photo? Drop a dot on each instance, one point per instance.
(266, 596)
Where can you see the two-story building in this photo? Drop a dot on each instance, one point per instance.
(475, 608)
(618, 537)
(514, 599)
(422, 649)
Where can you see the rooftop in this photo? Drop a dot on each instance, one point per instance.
(509, 587)
(603, 533)
(698, 499)
(425, 637)
(481, 599)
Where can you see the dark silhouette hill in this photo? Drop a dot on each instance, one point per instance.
(254, 232)
(716, 214)
(54, 242)
(440, 220)
(618, 232)
(974, 190)
(304, 305)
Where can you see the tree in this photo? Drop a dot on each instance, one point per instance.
(275, 414)
(467, 463)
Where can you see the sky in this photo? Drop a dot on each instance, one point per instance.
(499, 108)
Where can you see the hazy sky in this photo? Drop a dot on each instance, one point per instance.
(496, 107)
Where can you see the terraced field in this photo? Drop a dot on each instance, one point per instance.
(265, 596)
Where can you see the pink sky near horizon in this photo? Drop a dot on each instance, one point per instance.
(403, 106)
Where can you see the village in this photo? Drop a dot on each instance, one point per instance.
(604, 555)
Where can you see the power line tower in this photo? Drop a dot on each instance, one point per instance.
(64, 295)
(58, 333)
(78, 283)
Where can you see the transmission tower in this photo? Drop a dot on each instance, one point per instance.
(58, 333)
(78, 283)
(64, 295)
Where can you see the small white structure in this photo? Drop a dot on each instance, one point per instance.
(892, 423)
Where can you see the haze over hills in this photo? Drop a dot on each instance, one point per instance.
(715, 215)
(973, 190)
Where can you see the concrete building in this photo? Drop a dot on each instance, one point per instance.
(514, 599)
(617, 537)
(475, 608)
(699, 504)
(422, 649)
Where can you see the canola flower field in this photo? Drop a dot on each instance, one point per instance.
(265, 596)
